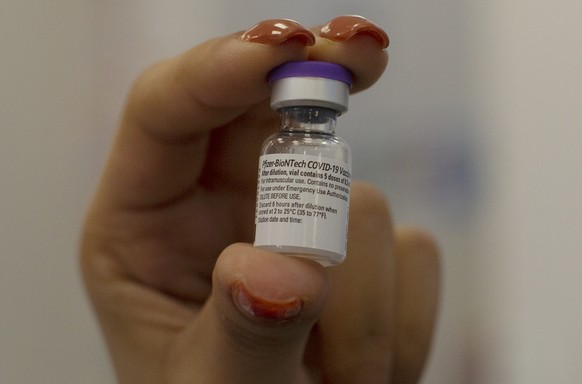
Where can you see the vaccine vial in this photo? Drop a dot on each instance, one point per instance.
(304, 176)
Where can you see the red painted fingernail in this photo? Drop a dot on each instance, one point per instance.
(268, 309)
(277, 32)
(343, 28)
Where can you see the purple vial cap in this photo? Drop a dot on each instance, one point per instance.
(319, 69)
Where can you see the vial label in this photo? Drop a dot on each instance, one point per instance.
(302, 204)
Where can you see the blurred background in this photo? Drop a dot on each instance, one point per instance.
(474, 133)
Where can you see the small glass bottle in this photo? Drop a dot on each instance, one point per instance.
(304, 175)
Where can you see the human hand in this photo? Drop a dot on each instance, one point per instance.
(181, 298)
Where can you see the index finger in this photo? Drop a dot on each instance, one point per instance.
(162, 142)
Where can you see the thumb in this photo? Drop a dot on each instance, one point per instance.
(255, 325)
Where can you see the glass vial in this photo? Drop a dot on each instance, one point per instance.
(304, 177)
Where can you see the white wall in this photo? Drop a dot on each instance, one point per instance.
(47, 76)
(531, 110)
(474, 133)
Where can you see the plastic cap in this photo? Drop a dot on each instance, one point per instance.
(310, 83)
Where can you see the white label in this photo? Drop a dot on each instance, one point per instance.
(302, 201)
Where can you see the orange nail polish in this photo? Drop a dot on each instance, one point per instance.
(343, 28)
(260, 307)
(277, 32)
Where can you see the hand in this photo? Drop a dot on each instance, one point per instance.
(181, 298)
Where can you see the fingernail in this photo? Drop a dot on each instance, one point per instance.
(255, 306)
(343, 28)
(277, 32)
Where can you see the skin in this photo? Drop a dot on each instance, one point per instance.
(180, 294)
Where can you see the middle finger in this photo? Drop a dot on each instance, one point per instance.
(357, 324)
